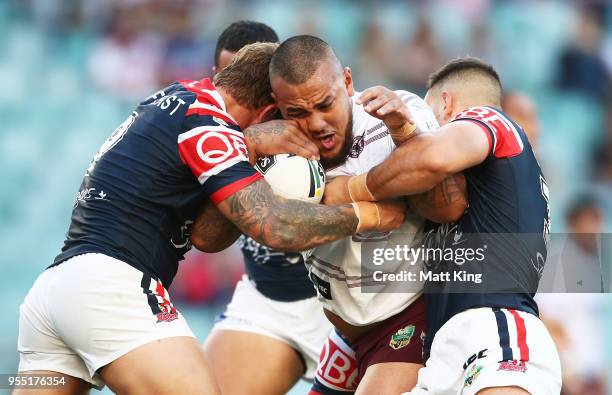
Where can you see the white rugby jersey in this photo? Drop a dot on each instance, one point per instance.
(335, 268)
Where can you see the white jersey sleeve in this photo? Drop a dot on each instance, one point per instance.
(421, 113)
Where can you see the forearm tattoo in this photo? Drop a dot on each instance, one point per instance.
(254, 132)
(290, 225)
(212, 231)
(445, 194)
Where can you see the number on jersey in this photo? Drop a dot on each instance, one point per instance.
(113, 139)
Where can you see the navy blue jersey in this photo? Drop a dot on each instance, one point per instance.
(148, 181)
(506, 225)
(277, 275)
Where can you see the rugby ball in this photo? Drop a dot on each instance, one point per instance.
(293, 177)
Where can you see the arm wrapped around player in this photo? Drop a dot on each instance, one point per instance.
(293, 225)
(446, 202)
(212, 232)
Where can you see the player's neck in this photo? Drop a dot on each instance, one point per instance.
(466, 104)
(241, 114)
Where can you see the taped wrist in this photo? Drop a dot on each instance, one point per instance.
(368, 215)
(404, 132)
(358, 189)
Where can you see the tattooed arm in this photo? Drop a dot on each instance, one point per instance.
(278, 136)
(211, 231)
(446, 202)
(292, 225)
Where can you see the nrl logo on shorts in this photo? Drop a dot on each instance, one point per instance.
(513, 366)
(472, 375)
(402, 337)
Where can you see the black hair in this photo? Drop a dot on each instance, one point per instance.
(298, 57)
(242, 33)
(459, 66)
(581, 204)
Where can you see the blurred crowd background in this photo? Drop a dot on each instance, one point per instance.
(71, 70)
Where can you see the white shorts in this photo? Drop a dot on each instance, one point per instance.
(90, 310)
(300, 324)
(485, 347)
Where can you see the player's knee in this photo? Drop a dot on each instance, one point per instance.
(503, 391)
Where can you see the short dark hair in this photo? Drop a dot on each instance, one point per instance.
(462, 65)
(581, 204)
(298, 57)
(242, 33)
(247, 77)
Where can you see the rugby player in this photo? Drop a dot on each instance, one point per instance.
(521, 108)
(236, 36)
(101, 313)
(313, 89)
(484, 339)
(274, 320)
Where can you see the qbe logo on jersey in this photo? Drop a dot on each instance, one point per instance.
(209, 150)
(215, 147)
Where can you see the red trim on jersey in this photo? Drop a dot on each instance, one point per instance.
(507, 140)
(213, 113)
(521, 334)
(197, 86)
(228, 190)
(485, 129)
(507, 146)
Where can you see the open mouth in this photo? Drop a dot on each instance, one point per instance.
(328, 141)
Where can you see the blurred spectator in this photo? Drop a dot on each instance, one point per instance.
(309, 19)
(581, 65)
(185, 55)
(523, 111)
(126, 63)
(418, 59)
(482, 44)
(585, 217)
(575, 324)
(603, 152)
(374, 50)
(581, 258)
(56, 16)
(577, 332)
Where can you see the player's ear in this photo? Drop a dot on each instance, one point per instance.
(447, 105)
(214, 71)
(348, 81)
